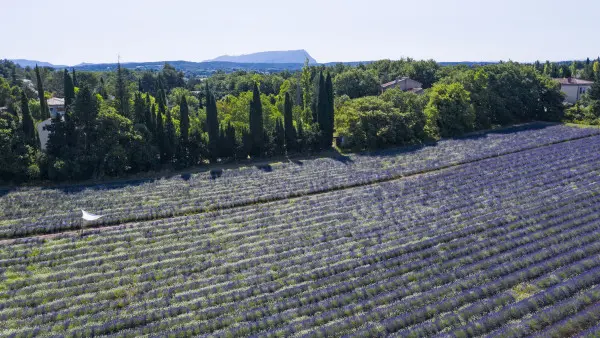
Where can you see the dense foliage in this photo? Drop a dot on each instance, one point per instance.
(168, 119)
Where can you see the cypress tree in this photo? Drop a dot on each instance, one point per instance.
(246, 143)
(279, 141)
(290, 132)
(122, 93)
(322, 102)
(69, 89)
(256, 123)
(153, 120)
(13, 76)
(230, 134)
(102, 90)
(28, 125)
(160, 136)
(147, 113)
(300, 146)
(86, 109)
(138, 108)
(329, 113)
(184, 124)
(212, 124)
(223, 145)
(170, 137)
(161, 100)
(75, 83)
(45, 112)
(56, 137)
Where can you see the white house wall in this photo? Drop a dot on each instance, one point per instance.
(43, 134)
(573, 92)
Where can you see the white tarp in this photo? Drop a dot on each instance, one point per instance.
(89, 217)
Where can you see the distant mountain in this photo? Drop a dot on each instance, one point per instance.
(288, 56)
(31, 63)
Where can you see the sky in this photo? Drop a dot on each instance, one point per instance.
(69, 32)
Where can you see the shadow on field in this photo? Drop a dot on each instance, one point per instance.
(216, 173)
(300, 159)
(395, 151)
(265, 167)
(76, 188)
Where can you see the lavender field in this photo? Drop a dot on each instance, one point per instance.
(26, 211)
(496, 235)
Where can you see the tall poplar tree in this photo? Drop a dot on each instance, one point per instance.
(256, 123)
(45, 112)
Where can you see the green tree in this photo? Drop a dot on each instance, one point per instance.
(40, 88)
(153, 123)
(356, 83)
(102, 90)
(85, 109)
(122, 93)
(160, 136)
(573, 69)
(329, 113)
(290, 131)
(449, 112)
(29, 131)
(75, 82)
(148, 120)
(256, 123)
(279, 138)
(170, 138)
(69, 89)
(139, 108)
(212, 125)
(184, 121)
(306, 84)
(17, 162)
(322, 101)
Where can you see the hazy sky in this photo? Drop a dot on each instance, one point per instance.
(75, 31)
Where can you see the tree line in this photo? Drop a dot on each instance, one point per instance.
(125, 121)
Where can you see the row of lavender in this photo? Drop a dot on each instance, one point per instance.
(507, 246)
(38, 210)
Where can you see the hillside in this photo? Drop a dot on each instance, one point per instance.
(288, 56)
(492, 234)
(31, 63)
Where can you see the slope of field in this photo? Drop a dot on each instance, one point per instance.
(506, 246)
(27, 211)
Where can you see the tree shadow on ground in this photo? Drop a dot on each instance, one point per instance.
(300, 159)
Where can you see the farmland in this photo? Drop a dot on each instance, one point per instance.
(495, 234)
